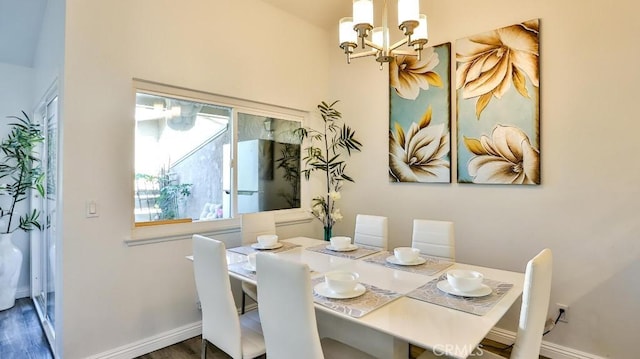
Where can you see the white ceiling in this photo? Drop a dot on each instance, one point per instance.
(20, 23)
(21, 20)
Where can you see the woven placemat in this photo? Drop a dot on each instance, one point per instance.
(475, 305)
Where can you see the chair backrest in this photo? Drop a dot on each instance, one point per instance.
(255, 224)
(434, 238)
(371, 231)
(286, 309)
(535, 303)
(220, 322)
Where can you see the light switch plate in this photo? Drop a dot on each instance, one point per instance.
(92, 209)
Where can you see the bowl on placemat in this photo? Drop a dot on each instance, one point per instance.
(267, 240)
(340, 242)
(406, 254)
(341, 281)
(464, 280)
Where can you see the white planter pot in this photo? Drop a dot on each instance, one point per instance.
(10, 263)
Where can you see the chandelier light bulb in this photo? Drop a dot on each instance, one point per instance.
(408, 10)
(346, 34)
(363, 12)
(421, 32)
(377, 36)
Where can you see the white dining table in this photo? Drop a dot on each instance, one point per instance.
(386, 331)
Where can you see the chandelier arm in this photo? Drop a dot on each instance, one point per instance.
(405, 53)
(398, 44)
(373, 45)
(364, 54)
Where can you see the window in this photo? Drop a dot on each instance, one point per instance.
(185, 146)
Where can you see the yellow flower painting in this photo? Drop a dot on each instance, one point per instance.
(420, 117)
(506, 156)
(498, 112)
(407, 74)
(420, 154)
(489, 63)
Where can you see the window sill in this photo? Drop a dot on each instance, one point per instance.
(181, 231)
(163, 222)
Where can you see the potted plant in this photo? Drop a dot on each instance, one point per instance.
(20, 172)
(328, 152)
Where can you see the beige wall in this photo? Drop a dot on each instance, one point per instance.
(586, 210)
(115, 295)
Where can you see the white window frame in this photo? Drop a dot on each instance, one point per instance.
(177, 231)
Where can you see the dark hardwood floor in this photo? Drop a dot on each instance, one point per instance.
(21, 336)
(190, 349)
(187, 349)
(486, 344)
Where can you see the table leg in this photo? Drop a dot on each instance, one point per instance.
(371, 341)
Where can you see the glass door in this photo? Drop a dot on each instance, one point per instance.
(43, 243)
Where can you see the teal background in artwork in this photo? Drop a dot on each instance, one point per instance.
(405, 112)
(512, 109)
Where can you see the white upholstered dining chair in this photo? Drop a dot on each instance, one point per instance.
(434, 238)
(288, 316)
(533, 312)
(371, 231)
(254, 225)
(238, 336)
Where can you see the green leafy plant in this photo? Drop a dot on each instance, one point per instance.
(20, 172)
(290, 164)
(161, 192)
(170, 196)
(327, 152)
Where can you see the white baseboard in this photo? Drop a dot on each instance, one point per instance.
(249, 307)
(162, 340)
(159, 341)
(23, 292)
(549, 350)
(150, 344)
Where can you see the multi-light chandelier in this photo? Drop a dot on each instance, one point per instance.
(410, 21)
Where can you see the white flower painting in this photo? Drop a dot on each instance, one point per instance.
(498, 116)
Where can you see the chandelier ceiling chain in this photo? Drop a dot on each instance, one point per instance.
(360, 26)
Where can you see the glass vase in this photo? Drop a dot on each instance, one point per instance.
(327, 233)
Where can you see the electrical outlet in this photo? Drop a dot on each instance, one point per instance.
(564, 318)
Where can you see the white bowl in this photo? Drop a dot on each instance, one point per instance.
(251, 258)
(464, 280)
(267, 240)
(341, 281)
(406, 254)
(340, 242)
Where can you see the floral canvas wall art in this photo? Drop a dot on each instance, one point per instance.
(498, 112)
(420, 117)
